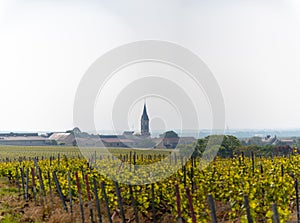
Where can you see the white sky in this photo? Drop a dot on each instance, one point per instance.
(252, 47)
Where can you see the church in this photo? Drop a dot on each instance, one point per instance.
(141, 139)
(145, 123)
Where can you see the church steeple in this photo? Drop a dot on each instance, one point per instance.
(145, 115)
(145, 122)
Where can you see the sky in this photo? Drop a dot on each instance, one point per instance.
(251, 47)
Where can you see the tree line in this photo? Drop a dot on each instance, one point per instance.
(231, 146)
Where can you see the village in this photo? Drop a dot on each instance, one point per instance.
(129, 139)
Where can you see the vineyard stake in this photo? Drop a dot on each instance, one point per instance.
(153, 204)
(261, 169)
(192, 177)
(130, 160)
(252, 161)
(247, 206)
(27, 182)
(190, 204)
(275, 213)
(70, 195)
(36, 164)
(50, 189)
(134, 204)
(120, 201)
(178, 203)
(62, 197)
(134, 161)
(42, 186)
(80, 197)
(33, 185)
(184, 175)
(212, 208)
(23, 182)
(89, 198)
(97, 200)
(106, 202)
(17, 181)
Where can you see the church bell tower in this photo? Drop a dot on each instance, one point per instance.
(145, 123)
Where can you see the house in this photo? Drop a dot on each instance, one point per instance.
(63, 138)
(117, 142)
(24, 141)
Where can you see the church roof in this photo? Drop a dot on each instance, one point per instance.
(145, 115)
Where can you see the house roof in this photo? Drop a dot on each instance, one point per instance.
(287, 140)
(59, 136)
(23, 138)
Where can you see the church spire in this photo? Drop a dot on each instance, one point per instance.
(145, 115)
(145, 122)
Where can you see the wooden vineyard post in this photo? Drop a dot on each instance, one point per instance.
(134, 161)
(80, 196)
(42, 187)
(191, 204)
(58, 159)
(212, 208)
(261, 169)
(23, 182)
(35, 160)
(247, 206)
(134, 204)
(120, 201)
(184, 175)
(106, 202)
(33, 185)
(18, 183)
(89, 197)
(252, 161)
(62, 197)
(130, 160)
(50, 189)
(178, 201)
(275, 213)
(97, 200)
(297, 200)
(70, 195)
(192, 176)
(153, 204)
(27, 182)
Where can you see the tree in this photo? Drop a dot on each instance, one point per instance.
(169, 134)
(227, 145)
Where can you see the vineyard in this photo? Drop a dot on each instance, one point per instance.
(58, 184)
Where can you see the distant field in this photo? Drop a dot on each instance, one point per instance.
(14, 152)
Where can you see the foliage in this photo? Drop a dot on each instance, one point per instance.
(227, 144)
(266, 181)
(169, 134)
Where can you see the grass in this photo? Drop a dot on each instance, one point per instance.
(9, 218)
(7, 209)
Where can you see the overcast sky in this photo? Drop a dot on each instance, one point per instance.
(251, 46)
